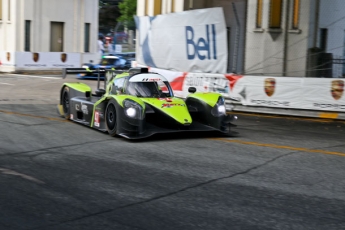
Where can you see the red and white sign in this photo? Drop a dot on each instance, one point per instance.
(325, 94)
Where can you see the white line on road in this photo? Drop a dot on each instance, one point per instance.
(33, 76)
(24, 176)
(5, 83)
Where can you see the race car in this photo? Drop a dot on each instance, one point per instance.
(137, 104)
(110, 61)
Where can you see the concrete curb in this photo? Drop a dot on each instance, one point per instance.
(290, 112)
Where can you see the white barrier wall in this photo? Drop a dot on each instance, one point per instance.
(10, 61)
(322, 94)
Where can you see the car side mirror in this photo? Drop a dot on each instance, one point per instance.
(192, 89)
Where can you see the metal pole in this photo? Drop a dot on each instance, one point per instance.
(99, 78)
(287, 19)
(236, 45)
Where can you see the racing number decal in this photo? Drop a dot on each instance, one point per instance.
(96, 121)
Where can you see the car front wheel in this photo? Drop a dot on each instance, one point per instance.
(110, 118)
(66, 102)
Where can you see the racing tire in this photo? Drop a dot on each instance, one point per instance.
(65, 99)
(110, 118)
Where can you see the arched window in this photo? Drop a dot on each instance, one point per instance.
(295, 17)
(259, 14)
(0, 10)
(275, 14)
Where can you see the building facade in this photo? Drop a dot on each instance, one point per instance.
(297, 38)
(235, 18)
(37, 34)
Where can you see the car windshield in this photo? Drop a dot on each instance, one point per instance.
(109, 61)
(149, 89)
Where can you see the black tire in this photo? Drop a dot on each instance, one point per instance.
(110, 118)
(65, 100)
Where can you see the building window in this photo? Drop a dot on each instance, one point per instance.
(9, 10)
(157, 8)
(27, 34)
(275, 14)
(323, 39)
(172, 6)
(295, 19)
(259, 14)
(56, 36)
(0, 10)
(87, 38)
(146, 8)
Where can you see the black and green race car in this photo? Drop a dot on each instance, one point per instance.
(137, 104)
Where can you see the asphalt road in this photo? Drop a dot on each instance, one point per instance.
(277, 173)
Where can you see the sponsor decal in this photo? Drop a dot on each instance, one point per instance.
(96, 120)
(270, 103)
(63, 65)
(232, 79)
(177, 83)
(84, 109)
(329, 106)
(63, 57)
(35, 57)
(202, 45)
(270, 85)
(211, 84)
(77, 107)
(337, 89)
(35, 65)
(71, 116)
(169, 105)
(8, 56)
(152, 79)
(165, 99)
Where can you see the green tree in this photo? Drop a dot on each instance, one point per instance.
(128, 8)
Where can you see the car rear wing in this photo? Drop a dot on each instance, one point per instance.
(66, 71)
(109, 73)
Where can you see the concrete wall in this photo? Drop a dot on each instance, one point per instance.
(73, 13)
(332, 17)
(277, 52)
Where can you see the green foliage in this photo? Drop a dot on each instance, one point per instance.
(128, 8)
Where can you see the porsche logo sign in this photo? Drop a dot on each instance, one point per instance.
(337, 89)
(35, 57)
(63, 57)
(270, 85)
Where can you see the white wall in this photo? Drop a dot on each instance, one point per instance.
(73, 13)
(266, 51)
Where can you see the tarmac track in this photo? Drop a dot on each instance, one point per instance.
(277, 173)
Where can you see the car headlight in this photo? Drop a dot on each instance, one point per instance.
(133, 109)
(220, 108)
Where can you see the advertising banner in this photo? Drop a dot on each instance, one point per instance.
(323, 94)
(189, 41)
(44, 60)
(7, 61)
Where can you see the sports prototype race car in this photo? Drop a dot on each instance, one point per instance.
(137, 104)
(119, 62)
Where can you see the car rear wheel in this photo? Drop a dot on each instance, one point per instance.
(110, 118)
(66, 102)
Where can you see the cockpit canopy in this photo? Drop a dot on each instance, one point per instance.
(149, 85)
